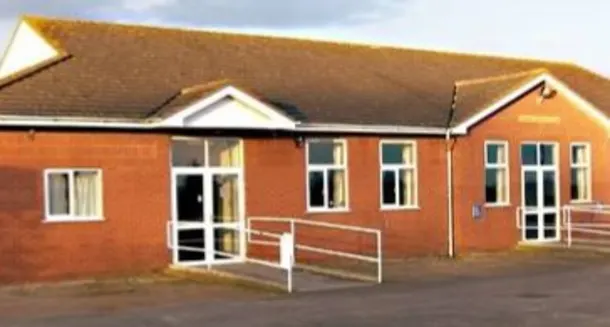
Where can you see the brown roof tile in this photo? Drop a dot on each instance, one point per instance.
(122, 71)
(474, 95)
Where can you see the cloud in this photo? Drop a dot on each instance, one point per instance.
(225, 13)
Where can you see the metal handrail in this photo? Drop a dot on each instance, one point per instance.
(293, 222)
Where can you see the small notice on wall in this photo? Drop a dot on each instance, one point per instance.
(477, 211)
(536, 119)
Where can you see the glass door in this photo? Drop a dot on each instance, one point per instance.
(226, 212)
(207, 201)
(540, 192)
(189, 217)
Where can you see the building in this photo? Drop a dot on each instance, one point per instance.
(108, 132)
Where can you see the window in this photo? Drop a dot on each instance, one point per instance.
(398, 175)
(73, 194)
(326, 175)
(210, 152)
(496, 173)
(580, 171)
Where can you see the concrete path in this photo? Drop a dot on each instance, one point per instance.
(303, 281)
(536, 291)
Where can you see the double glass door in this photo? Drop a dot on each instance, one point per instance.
(540, 192)
(207, 216)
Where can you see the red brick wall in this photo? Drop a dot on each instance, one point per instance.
(136, 205)
(275, 176)
(497, 230)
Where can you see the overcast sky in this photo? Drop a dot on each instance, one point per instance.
(571, 30)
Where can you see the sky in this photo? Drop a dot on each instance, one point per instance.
(565, 30)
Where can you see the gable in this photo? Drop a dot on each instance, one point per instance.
(229, 108)
(26, 49)
(545, 80)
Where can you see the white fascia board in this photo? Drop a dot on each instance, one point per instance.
(382, 129)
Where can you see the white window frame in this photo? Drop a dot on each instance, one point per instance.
(505, 166)
(324, 168)
(396, 169)
(71, 217)
(587, 165)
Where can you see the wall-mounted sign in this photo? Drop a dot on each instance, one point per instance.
(536, 119)
(477, 211)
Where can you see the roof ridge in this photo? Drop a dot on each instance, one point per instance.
(503, 77)
(356, 44)
(204, 86)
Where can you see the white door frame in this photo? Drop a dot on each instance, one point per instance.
(208, 224)
(540, 210)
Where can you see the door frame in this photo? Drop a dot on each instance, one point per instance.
(208, 224)
(540, 210)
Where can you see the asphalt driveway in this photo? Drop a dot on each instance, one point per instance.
(539, 289)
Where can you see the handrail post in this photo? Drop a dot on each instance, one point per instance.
(294, 238)
(379, 259)
(569, 225)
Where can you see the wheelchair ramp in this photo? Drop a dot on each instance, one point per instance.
(303, 280)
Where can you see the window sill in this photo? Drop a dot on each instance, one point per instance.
(53, 220)
(324, 210)
(582, 202)
(497, 205)
(414, 208)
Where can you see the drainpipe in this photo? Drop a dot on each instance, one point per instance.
(450, 220)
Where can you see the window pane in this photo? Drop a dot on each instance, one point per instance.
(325, 152)
(59, 193)
(316, 189)
(393, 153)
(406, 187)
(491, 185)
(547, 154)
(86, 197)
(579, 184)
(389, 187)
(225, 198)
(336, 188)
(188, 153)
(529, 155)
(492, 153)
(224, 152)
(579, 154)
(549, 189)
(531, 189)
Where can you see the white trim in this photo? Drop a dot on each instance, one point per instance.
(505, 166)
(562, 88)
(587, 166)
(359, 128)
(540, 209)
(395, 168)
(71, 217)
(88, 122)
(324, 169)
(208, 225)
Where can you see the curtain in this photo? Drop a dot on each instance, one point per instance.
(338, 154)
(581, 183)
(336, 185)
(59, 194)
(86, 195)
(224, 153)
(501, 187)
(408, 191)
(579, 155)
(407, 154)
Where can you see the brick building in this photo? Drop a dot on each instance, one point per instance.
(110, 132)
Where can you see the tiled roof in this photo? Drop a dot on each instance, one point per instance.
(135, 72)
